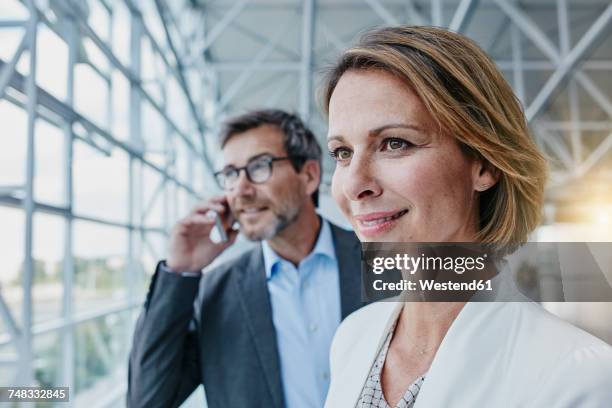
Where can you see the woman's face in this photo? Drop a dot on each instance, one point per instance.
(397, 178)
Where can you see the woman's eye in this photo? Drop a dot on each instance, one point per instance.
(395, 144)
(341, 153)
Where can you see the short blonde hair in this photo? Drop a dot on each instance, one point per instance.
(470, 100)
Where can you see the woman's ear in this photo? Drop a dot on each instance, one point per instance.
(485, 175)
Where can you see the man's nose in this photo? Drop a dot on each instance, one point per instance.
(242, 185)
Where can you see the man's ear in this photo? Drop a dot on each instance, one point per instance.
(311, 172)
(484, 175)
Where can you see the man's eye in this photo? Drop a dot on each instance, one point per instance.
(230, 173)
(395, 144)
(256, 165)
(340, 153)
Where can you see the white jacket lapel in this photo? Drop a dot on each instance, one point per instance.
(345, 393)
(464, 365)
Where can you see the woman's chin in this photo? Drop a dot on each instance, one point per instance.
(390, 236)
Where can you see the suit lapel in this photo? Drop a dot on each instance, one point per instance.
(255, 302)
(357, 359)
(348, 253)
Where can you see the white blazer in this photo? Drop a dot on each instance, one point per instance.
(494, 355)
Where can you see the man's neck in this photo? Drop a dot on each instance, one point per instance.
(297, 240)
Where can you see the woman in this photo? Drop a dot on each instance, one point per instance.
(431, 145)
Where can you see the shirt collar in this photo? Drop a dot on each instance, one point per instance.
(324, 246)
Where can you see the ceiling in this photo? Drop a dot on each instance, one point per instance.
(257, 58)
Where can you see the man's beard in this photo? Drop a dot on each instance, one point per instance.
(279, 223)
(282, 218)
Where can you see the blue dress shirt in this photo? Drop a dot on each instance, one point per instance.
(306, 313)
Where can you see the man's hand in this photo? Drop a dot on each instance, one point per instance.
(190, 246)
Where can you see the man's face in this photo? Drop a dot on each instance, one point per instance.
(263, 210)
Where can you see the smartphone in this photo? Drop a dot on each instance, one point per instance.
(220, 229)
(218, 234)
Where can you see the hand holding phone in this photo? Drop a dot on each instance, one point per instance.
(197, 239)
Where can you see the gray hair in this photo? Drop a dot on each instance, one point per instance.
(299, 141)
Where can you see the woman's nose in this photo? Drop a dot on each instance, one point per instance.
(361, 180)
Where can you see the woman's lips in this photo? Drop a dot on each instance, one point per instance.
(376, 223)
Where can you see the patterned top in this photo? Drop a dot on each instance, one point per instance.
(372, 395)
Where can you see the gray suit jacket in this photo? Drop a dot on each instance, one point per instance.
(227, 341)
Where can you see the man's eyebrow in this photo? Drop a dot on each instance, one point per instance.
(257, 156)
(250, 159)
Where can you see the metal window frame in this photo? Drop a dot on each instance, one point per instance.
(41, 105)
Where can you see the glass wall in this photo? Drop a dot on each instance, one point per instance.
(99, 145)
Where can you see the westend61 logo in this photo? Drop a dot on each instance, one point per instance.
(459, 271)
(412, 264)
(438, 271)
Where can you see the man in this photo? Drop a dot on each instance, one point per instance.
(256, 330)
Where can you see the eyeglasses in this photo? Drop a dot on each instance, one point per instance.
(258, 170)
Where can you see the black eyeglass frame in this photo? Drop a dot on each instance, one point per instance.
(269, 160)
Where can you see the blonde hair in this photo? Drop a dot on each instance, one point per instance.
(470, 100)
